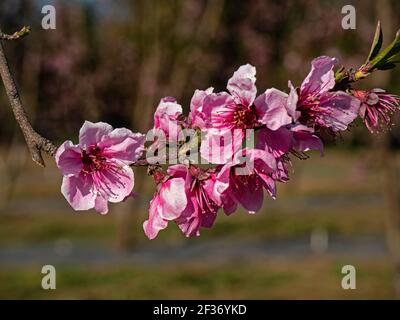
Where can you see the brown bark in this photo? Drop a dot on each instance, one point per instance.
(35, 142)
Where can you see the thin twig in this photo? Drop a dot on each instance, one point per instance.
(36, 143)
(16, 35)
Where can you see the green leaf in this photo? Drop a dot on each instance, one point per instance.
(376, 43)
(387, 66)
(387, 54)
(394, 47)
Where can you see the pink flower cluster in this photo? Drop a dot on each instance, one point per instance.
(98, 170)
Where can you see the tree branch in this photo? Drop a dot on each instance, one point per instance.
(36, 143)
(16, 35)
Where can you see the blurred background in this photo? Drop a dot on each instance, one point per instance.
(113, 61)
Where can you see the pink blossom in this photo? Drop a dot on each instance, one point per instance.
(376, 108)
(272, 104)
(197, 117)
(316, 105)
(97, 171)
(292, 139)
(246, 187)
(167, 118)
(168, 204)
(296, 138)
(167, 130)
(304, 139)
(220, 114)
(186, 196)
(218, 146)
(235, 110)
(277, 143)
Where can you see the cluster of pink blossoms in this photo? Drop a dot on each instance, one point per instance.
(98, 170)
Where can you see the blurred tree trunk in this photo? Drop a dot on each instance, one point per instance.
(89, 22)
(391, 190)
(148, 18)
(199, 32)
(388, 166)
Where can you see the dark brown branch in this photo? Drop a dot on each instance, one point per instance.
(36, 143)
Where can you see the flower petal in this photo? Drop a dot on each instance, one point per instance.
(178, 171)
(218, 109)
(282, 172)
(114, 184)
(122, 144)
(263, 161)
(269, 184)
(101, 205)
(78, 190)
(242, 85)
(304, 139)
(337, 110)
(68, 159)
(208, 219)
(223, 177)
(154, 223)
(166, 117)
(168, 108)
(228, 204)
(210, 190)
(321, 77)
(189, 221)
(173, 198)
(276, 142)
(248, 191)
(196, 115)
(91, 133)
(271, 107)
(218, 146)
(292, 100)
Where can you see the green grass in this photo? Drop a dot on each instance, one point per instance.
(269, 224)
(305, 279)
(336, 180)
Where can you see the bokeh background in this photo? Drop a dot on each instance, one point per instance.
(113, 61)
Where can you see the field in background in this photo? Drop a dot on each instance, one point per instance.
(338, 194)
(316, 278)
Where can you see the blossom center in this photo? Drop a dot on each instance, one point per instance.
(245, 118)
(93, 160)
(309, 109)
